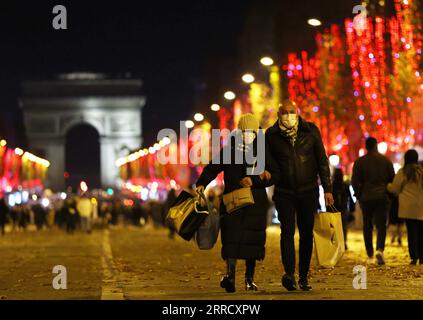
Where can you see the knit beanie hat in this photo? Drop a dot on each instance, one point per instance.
(248, 122)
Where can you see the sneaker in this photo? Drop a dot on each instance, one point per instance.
(289, 282)
(379, 257)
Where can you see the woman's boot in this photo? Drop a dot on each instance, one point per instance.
(250, 266)
(228, 281)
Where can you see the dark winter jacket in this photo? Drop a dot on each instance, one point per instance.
(243, 232)
(301, 165)
(371, 175)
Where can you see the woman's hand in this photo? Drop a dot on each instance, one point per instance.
(265, 175)
(246, 182)
(199, 190)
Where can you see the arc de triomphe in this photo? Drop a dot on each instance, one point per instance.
(112, 106)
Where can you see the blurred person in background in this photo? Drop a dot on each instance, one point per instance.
(371, 174)
(395, 221)
(139, 213)
(115, 212)
(171, 198)
(39, 215)
(69, 210)
(85, 210)
(408, 185)
(343, 200)
(4, 212)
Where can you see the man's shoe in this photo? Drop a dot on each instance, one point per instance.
(228, 284)
(304, 285)
(289, 282)
(250, 285)
(413, 262)
(379, 257)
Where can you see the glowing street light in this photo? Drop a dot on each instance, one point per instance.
(314, 22)
(157, 146)
(19, 151)
(215, 107)
(382, 147)
(189, 124)
(83, 185)
(334, 160)
(248, 78)
(229, 95)
(198, 117)
(4, 142)
(266, 61)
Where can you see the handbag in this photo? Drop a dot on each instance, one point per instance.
(328, 238)
(207, 234)
(186, 214)
(238, 199)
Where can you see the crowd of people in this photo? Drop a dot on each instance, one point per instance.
(83, 212)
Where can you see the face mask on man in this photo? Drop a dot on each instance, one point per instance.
(289, 120)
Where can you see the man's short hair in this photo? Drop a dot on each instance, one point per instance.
(371, 144)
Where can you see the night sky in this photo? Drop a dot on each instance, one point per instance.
(174, 46)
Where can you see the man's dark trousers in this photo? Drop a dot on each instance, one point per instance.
(375, 212)
(302, 208)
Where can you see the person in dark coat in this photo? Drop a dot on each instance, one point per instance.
(343, 201)
(298, 150)
(371, 175)
(4, 211)
(243, 232)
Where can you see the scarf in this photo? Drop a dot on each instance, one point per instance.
(289, 133)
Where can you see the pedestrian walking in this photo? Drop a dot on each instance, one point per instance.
(371, 174)
(243, 231)
(39, 215)
(343, 201)
(171, 198)
(69, 211)
(298, 149)
(395, 221)
(85, 209)
(4, 211)
(408, 185)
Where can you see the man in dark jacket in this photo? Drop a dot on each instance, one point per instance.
(371, 175)
(297, 147)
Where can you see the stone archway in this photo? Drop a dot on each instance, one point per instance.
(82, 156)
(112, 106)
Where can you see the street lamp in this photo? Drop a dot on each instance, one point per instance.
(198, 117)
(248, 78)
(189, 124)
(314, 22)
(215, 107)
(229, 95)
(266, 61)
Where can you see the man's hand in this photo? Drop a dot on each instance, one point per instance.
(246, 182)
(265, 175)
(329, 199)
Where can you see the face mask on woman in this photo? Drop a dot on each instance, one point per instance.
(289, 120)
(248, 137)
